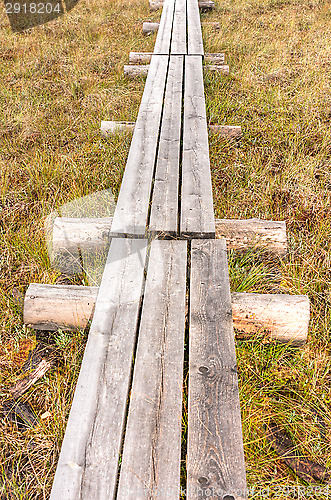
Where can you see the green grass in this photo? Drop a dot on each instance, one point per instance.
(57, 82)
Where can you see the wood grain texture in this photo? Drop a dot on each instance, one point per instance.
(215, 447)
(194, 34)
(163, 39)
(152, 448)
(178, 41)
(164, 211)
(88, 462)
(49, 307)
(197, 212)
(130, 217)
(285, 318)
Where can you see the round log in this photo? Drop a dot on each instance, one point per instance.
(215, 58)
(284, 318)
(149, 27)
(155, 5)
(110, 127)
(213, 26)
(74, 237)
(262, 234)
(140, 57)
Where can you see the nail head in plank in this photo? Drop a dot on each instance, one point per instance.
(215, 446)
(89, 456)
(132, 207)
(164, 212)
(197, 213)
(152, 448)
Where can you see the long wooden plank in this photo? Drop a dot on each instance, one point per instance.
(162, 43)
(197, 213)
(194, 34)
(132, 207)
(215, 446)
(178, 41)
(164, 212)
(152, 449)
(89, 456)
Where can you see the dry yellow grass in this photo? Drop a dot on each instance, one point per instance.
(57, 82)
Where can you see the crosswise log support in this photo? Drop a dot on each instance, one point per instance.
(282, 317)
(215, 455)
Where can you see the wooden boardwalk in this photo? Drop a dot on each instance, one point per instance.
(124, 433)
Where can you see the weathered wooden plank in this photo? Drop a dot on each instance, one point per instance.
(89, 456)
(164, 212)
(162, 43)
(215, 460)
(178, 41)
(197, 213)
(132, 207)
(152, 449)
(194, 34)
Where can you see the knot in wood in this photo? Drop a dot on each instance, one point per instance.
(204, 370)
(203, 481)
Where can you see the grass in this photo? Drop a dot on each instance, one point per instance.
(57, 82)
